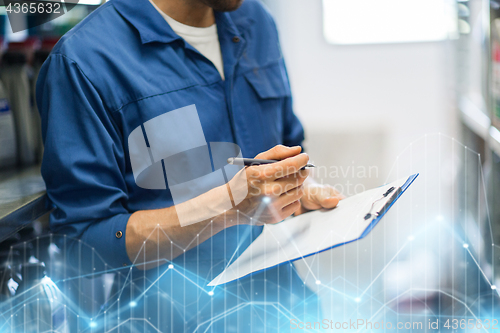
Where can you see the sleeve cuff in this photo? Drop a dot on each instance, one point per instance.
(105, 242)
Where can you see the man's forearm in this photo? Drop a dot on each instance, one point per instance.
(156, 236)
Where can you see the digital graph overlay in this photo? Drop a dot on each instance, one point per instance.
(430, 259)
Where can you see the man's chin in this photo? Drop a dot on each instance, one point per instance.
(223, 5)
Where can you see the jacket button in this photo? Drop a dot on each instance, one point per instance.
(119, 234)
(236, 39)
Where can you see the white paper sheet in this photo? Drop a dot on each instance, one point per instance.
(308, 233)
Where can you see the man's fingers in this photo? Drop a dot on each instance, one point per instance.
(310, 205)
(301, 174)
(291, 181)
(279, 152)
(290, 209)
(282, 168)
(290, 196)
(290, 162)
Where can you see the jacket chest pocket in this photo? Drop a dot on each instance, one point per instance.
(264, 102)
(269, 82)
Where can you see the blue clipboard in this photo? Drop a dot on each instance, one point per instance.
(374, 222)
(395, 196)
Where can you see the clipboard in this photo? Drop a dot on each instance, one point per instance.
(315, 232)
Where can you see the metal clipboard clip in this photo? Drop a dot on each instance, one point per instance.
(395, 193)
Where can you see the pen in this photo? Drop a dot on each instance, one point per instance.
(252, 161)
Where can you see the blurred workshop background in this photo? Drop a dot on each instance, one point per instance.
(384, 88)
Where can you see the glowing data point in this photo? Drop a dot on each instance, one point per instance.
(357, 300)
(93, 324)
(210, 293)
(133, 304)
(266, 200)
(439, 218)
(170, 266)
(493, 287)
(318, 282)
(410, 238)
(466, 246)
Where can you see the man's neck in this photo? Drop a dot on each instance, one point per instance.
(189, 12)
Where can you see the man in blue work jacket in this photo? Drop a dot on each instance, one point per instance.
(127, 63)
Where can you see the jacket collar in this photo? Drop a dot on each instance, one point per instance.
(146, 19)
(153, 28)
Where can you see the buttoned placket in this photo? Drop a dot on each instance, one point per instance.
(232, 48)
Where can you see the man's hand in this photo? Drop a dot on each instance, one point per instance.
(278, 190)
(318, 196)
(274, 190)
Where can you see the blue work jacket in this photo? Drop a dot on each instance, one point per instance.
(122, 66)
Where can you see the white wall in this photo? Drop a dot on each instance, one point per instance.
(392, 93)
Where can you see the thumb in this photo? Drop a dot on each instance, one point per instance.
(328, 197)
(329, 202)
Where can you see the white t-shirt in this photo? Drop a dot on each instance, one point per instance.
(205, 40)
